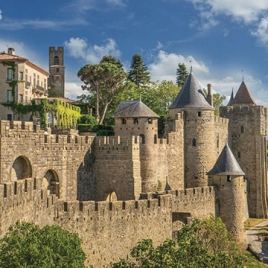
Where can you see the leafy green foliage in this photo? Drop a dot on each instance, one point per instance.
(181, 74)
(204, 243)
(27, 245)
(103, 81)
(138, 72)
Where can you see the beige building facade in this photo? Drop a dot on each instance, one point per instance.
(31, 83)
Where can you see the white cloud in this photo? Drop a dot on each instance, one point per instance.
(262, 31)
(79, 48)
(165, 65)
(0, 14)
(73, 89)
(243, 10)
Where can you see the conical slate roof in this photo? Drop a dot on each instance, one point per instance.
(231, 99)
(134, 109)
(243, 96)
(191, 96)
(226, 164)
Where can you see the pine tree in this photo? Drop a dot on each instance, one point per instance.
(138, 72)
(181, 74)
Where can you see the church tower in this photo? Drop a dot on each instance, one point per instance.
(57, 72)
(247, 139)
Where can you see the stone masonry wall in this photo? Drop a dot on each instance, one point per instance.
(61, 153)
(247, 139)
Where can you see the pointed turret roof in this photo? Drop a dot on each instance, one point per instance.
(191, 96)
(134, 109)
(231, 99)
(243, 96)
(226, 164)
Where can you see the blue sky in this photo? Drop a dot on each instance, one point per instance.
(223, 40)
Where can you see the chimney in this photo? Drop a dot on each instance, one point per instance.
(210, 95)
(11, 51)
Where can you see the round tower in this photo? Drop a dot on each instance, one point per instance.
(231, 199)
(134, 118)
(200, 137)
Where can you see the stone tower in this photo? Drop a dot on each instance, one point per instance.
(57, 72)
(134, 118)
(231, 204)
(247, 139)
(200, 145)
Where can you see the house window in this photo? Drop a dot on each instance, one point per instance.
(21, 76)
(150, 121)
(20, 98)
(9, 74)
(136, 121)
(57, 70)
(124, 121)
(38, 80)
(9, 96)
(199, 114)
(9, 117)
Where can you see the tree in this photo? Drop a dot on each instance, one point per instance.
(27, 245)
(113, 60)
(181, 74)
(217, 101)
(204, 243)
(138, 72)
(103, 81)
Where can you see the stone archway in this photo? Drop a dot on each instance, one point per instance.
(21, 169)
(111, 197)
(51, 183)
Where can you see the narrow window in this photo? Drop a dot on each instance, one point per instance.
(56, 60)
(218, 141)
(238, 155)
(9, 96)
(142, 139)
(9, 117)
(136, 121)
(124, 121)
(21, 98)
(228, 178)
(150, 121)
(242, 129)
(155, 139)
(199, 114)
(9, 74)
(193, 142)
(57, 70)
(21, 76)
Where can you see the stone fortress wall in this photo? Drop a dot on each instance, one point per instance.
(24, 195)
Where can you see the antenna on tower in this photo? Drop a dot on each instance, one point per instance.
(242, 75)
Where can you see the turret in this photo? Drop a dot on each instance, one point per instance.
(201, 140)
(228, 178)
(135, 118)
(247, 139)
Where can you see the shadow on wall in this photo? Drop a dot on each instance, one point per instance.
(86, 177)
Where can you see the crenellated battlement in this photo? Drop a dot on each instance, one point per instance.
(21, 192)
(88, 209)
(221, 120)
(243, 110)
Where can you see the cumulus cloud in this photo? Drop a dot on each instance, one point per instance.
(246, 11)
(0, 14)
(79, 48)
(262, 32)
(165, 65)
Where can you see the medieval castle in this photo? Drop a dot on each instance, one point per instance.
(115, 191)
